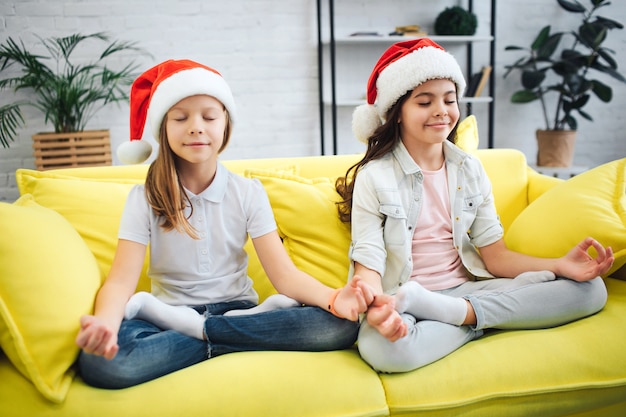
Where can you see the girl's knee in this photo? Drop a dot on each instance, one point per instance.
(386, 356)
(109, 374)
(596, 295)
(342, 334)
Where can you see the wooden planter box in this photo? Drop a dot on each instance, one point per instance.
(74, 149)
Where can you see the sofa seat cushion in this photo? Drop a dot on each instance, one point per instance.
(48, 280)
(273, 384)
(524, 372)
(590, 204)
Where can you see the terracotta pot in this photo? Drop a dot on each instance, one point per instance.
(74, 149)
(555, 148)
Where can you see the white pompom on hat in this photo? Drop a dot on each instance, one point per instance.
(401, 68)
(155, 91)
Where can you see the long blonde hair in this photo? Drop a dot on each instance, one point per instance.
(164, 190)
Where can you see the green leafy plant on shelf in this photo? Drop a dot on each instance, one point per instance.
(456, 21)
(569, 73)
(67, 91)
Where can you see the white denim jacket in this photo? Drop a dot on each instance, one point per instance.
(386, 203)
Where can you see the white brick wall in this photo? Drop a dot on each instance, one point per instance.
(267, 51)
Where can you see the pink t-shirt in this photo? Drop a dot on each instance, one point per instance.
(436, 262)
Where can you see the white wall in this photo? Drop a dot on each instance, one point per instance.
(267, 52)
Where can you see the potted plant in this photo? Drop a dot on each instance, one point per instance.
(566, 75)
(67, 90)
(456, 21)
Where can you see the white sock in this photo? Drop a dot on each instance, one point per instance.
(182, 319)
(423, 304)
(532, 277)
(273, 302)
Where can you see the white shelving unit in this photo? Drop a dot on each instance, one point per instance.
(345, 63)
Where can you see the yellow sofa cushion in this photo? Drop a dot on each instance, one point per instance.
(590, 204)
(93, 206)
(306, 214)
(48, 279)
(466, 136)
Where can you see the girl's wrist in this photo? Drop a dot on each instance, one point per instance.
(331, 302)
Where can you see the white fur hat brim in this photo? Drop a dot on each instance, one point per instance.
(401, 68)
(416, 68)
(183, 84)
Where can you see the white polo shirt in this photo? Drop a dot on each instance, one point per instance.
(213, 269)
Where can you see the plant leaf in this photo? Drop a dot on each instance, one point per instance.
(605, 54)
(10, 120)
(571, 122)
(549, 46)
(541, 38)
(585, 115)
(602, 91)
(574, 7)
(524, 96)
(532, 79)
(608, 23)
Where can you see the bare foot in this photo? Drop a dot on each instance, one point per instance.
(383, 316)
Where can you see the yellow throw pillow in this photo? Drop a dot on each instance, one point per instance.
(93, 206)
(48, 280)
(306, 214)
(262, 284)
(467, 134)
(590, 204)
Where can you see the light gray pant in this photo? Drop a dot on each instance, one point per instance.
(498, 304)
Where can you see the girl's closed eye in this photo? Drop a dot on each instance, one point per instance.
(177, 116)
(212, 114)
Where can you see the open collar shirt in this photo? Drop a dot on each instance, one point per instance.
(386, 203)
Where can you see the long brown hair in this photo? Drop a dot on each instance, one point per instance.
(382, 141)
(164, 190)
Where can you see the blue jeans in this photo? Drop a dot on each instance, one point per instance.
(146, 352)
(497, 305)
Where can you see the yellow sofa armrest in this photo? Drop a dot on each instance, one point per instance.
(507, 170)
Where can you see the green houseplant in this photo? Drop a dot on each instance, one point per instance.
(66, 88)
(456, 21)
(567, 74)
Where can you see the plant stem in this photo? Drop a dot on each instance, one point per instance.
(541, 92)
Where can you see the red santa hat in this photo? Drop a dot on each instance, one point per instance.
(400, 69)
(155, 91)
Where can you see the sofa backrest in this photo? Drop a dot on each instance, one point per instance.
(507, 169)
(92, 199)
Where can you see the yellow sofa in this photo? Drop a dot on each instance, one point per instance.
(58, 241)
